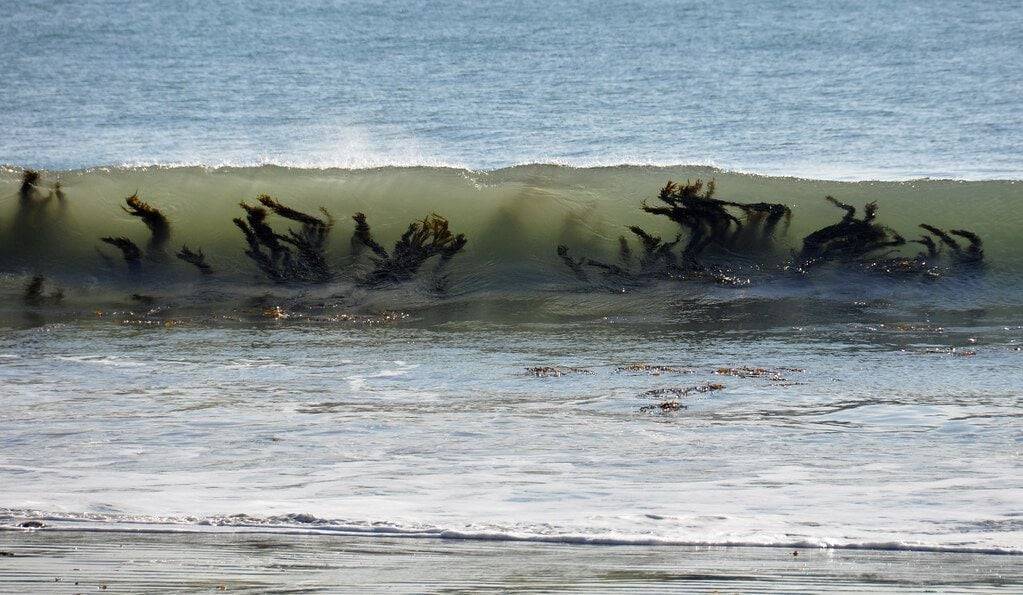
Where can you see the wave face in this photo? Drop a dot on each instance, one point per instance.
(513, 219)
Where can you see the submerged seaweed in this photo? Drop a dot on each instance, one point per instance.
(705, 221)
(298, 256)
(857, 240)
(422, 241)
(197, 259)
(129, 250)
(159, 226)
(971, 254)
(35, 296)
(850, 239)
(29, 179)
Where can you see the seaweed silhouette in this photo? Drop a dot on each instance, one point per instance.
(159, 226)
(129, 250)
(197, 259)
(423, 240)
(297, 256)
(851, 238)
(34, 294)
(705, 221)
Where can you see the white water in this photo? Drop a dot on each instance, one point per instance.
(436, 430)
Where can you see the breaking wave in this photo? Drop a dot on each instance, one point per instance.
(513, 220)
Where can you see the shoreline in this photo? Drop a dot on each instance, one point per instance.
(132, 561)
(376, 531)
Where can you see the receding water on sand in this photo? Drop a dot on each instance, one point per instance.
(59, 562)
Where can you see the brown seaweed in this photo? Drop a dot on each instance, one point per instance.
(423, 240)
(851, 239)
(298, 256)
(554, 371)
(973, 253)
(693, 207)
(159, 226)
(34, 294)
(29, 179)
(677, 393)
(706, 221)
(129, 250)
(197, 259)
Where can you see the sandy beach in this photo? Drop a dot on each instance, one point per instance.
(58, 561)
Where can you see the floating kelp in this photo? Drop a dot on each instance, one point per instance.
(655, 370)
(295, 256)
(554, 371)
(684, 391)
(773, 374)
(677, 393)
(422, 241)
(197, 259)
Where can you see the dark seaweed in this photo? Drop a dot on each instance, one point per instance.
(705, 220)
(298, 256)
(159, 226)
(851, 239)
(422, 241)
(971, 254)
(197, 259)
(129, 250)
(29, 179)
(34, 294)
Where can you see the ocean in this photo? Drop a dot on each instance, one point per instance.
(684, 276)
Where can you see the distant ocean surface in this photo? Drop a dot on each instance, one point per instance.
(826, 89)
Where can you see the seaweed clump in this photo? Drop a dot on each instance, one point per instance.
(973, 253)
(851, 239)
(423, 240)
(30, 178)
(297, 256)
(657, 260)
(705, 221)
(936, 258)
(196, 259)
(857, 241)
(34, 294)
(159, 226)
(673, 404)
(693, 207)
(129, 250)
(155, 221)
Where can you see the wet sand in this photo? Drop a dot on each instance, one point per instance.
(61, 561)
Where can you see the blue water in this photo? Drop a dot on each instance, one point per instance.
(820, 89)
(503, 396)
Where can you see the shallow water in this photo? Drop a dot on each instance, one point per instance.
(129, 561)
(499, 396)
(878, 433)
